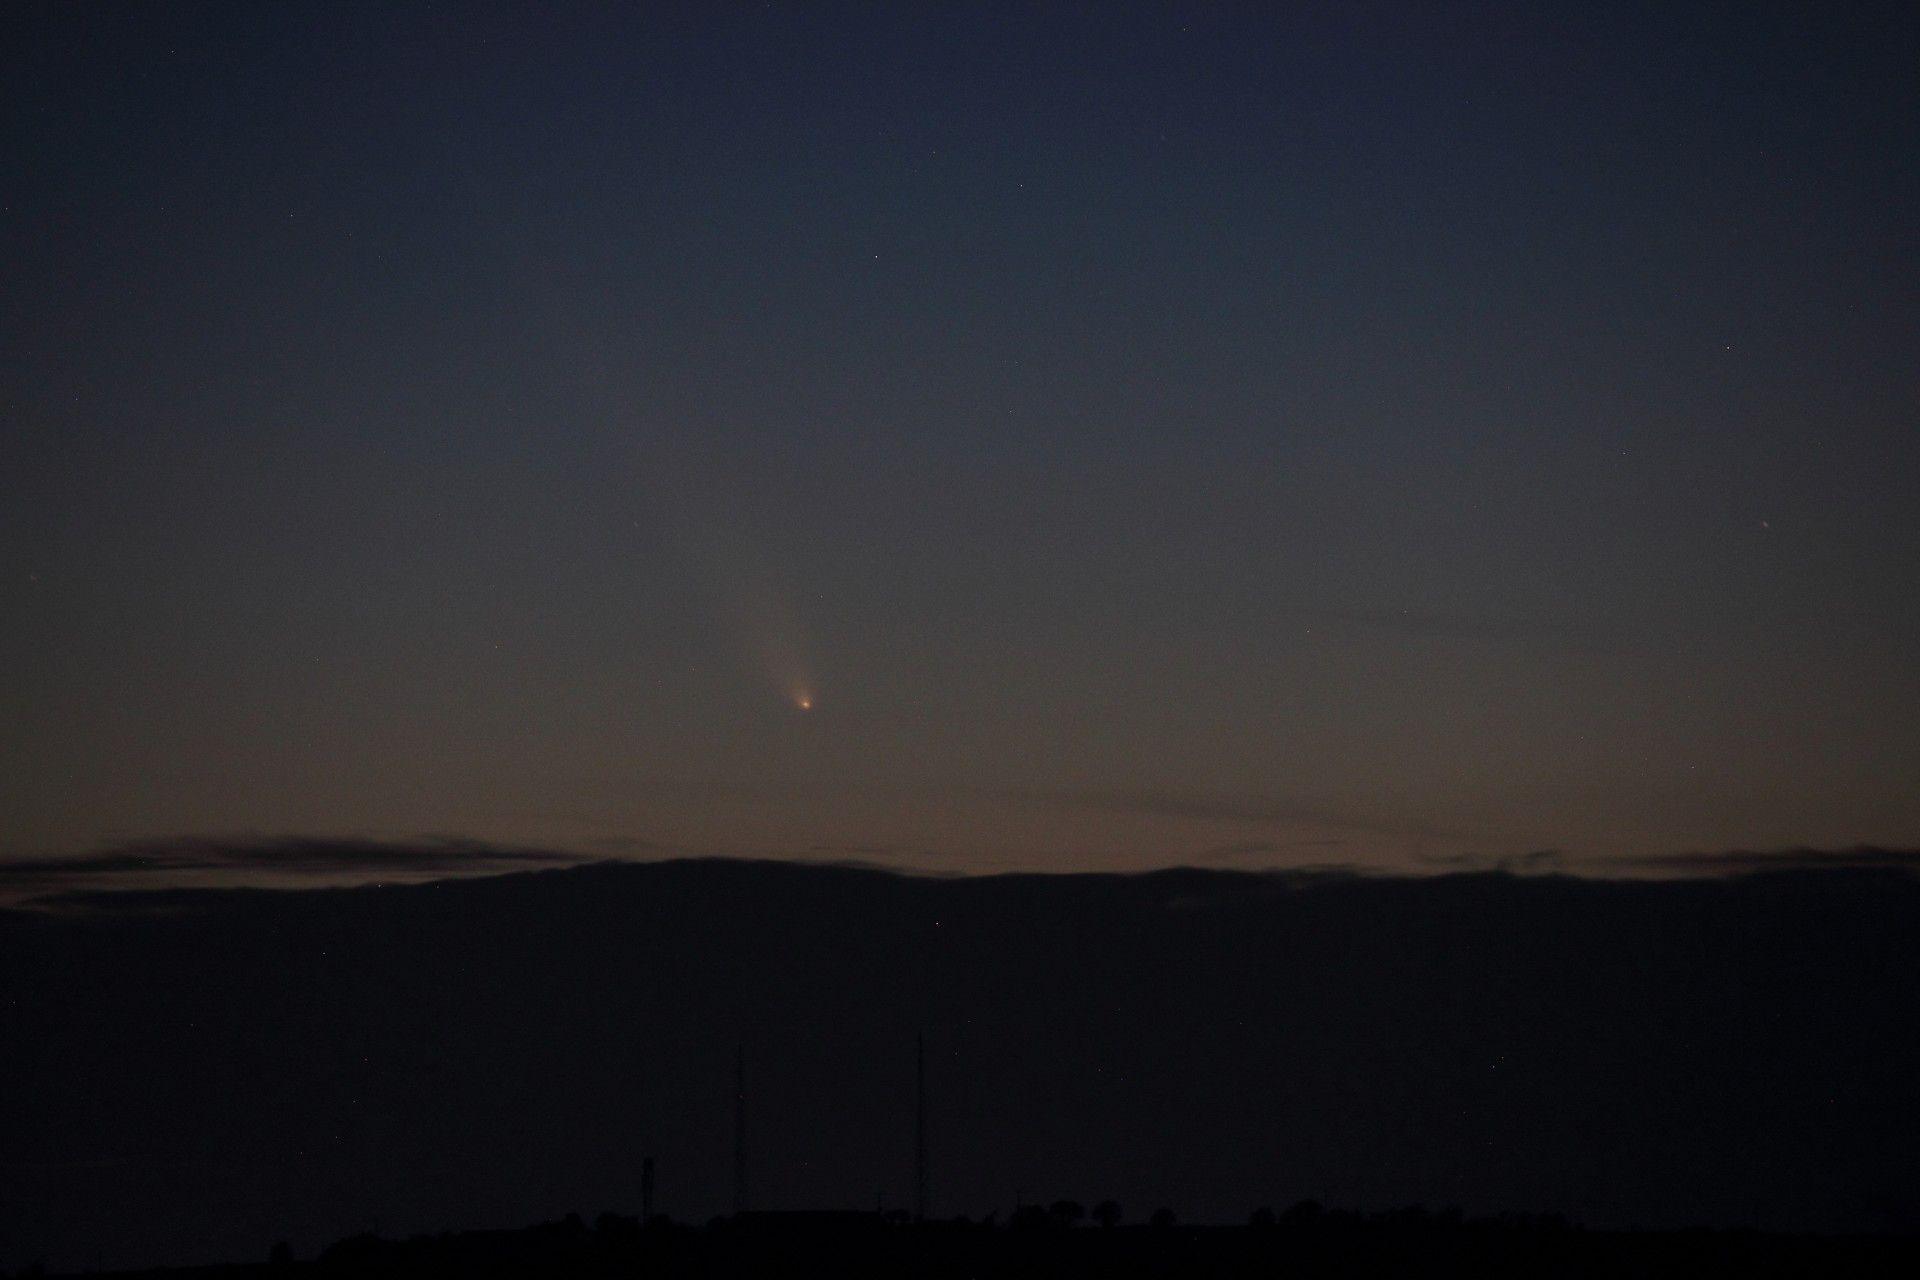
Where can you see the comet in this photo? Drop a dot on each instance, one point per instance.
(707, 528)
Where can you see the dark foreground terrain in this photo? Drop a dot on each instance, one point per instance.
(1300, 1243)
(186, 1078)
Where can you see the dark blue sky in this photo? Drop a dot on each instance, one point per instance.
(1363, 433)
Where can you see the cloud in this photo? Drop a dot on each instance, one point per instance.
(1693, 865)
(1533, 861)
(1250, 809)
(875, 851)
(1747, 862)
(162, 874)
(1239, 849)
(627, 846)
(165, 863)
(1261, 848)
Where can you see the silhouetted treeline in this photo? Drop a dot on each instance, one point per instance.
(1053, 1240)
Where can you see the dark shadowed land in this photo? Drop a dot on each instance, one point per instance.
(191, 1076)
(1303, 1241)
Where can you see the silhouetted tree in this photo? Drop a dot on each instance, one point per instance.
(1396, 1241)
(616, 1226)
(1107, 1213)
(1030, 1217)
(1262, 1219)
(356, 1251)
(1067, 1213)
(1307, 1213)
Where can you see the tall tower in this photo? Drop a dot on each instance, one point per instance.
(920, 1193)
(646, 1191)
(740, 1130)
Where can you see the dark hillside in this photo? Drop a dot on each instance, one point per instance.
(193, 1080)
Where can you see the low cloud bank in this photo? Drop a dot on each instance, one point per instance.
(202, 863)
(209, 861)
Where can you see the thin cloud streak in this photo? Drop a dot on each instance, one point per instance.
(1691, 865)
(1746, 861)
(1248, 809)
(165, 863)
(162, 874)
(1246, 849)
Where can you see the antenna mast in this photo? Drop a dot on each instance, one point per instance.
(920, 1194)
(740, 1130)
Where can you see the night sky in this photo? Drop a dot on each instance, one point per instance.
(962, 438)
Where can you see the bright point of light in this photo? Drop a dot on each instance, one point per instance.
(804, 702)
